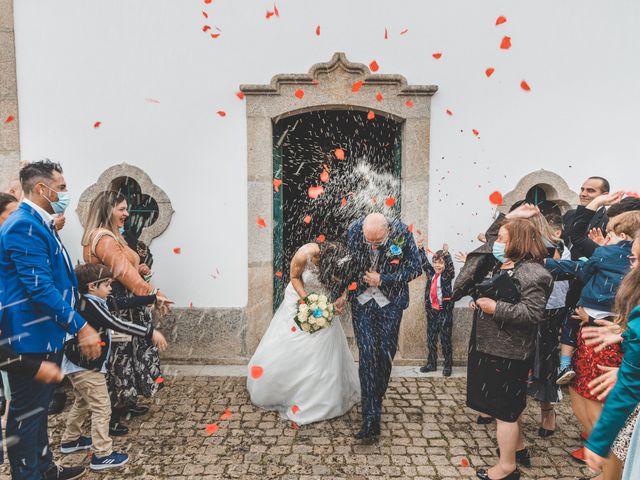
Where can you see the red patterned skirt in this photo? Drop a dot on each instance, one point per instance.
(586, 361)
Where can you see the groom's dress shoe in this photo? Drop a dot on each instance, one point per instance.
(428, 368)
(369, 432)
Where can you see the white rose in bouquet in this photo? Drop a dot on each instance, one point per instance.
(303, 307)
(313, 297)
(311, 320)
(305, 327)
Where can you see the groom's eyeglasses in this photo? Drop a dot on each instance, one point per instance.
(378, 243)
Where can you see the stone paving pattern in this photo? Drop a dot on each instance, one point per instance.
(427, 431)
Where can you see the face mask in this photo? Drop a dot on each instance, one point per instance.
(121, 230)
(64, 199)
(498, 251)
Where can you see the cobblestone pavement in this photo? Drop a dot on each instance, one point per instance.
(427, 432)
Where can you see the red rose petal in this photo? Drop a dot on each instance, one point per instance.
(226, 415)
(294, 425)
(525, 86)
(496, 198)
(307, 219)
(404, 31)
(437, 55)
(215, 35)
(177, 250)
(500, 20)
(276, 184)
(374, 66)
(411, 228)
(315, 192)
(379, 97)
(207, 2)
(159, 380)
(386, 34)
(9, 119)
(352, 286)
(294, 329)
(295, 409)
(339, 153)
(390, 202)
(222, 113)
(464, 462)
(278, 274)
(299, 94)
(318, 30)
(275, 10)
(489, 71)
(261, 223)
(95, 125)
(475, 132)
(190, 305)
(409, 103)
(395, 262)
(256, 372)
(343, 202)
(506, 43)
(240, 95)
(371, 115)
(269, 14)
(205, 28)
(324, 176)
(205, 14)
(449, 112)
(211, 428)
(321, 238)
(356, 86)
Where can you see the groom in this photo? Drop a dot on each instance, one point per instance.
(385, 259)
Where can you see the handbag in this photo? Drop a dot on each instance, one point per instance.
(500, 287)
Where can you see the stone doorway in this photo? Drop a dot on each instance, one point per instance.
(305, 157)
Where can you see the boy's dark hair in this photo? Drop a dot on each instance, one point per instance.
(554, 220)
(438, 256)
(6, 199)
(606, 188)
(627, 204)
(36, 172)
(91, 273)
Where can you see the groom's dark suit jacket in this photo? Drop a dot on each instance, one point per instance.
(396, 271)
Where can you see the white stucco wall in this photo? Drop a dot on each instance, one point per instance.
(82, 61)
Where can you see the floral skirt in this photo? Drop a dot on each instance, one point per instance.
(134, 366)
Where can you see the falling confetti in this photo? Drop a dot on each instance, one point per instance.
(226, 415)
(205, 14)
(318, 30)
(500, 20)
(190, 305)
(343, 202)
(270, 14)
(437, 55)
(449, 112)
(97, 124)
(279, 274)
(294, 425)
(379, 97)
(395, 262)
(411, 228)
(475, 132)
(222, 113)
(205, 28)
(211, 428)
(464, 462)
(240, 95)
(390, 202)
(256, 372)
(275, 10)
(496, 198)
(356, 86)
(386, 34)
(261, 223)
(409, 103)
(315, 192)
(294, 329)
(307, 219)
(9, 119)
(489, 71)
(374, 66)
(352, 286)
(321, 238)
(506, 43)
(525, 86)
(177, 250)
(207, 2)
(324, 176)
(404, 31)
(371, 115)
(159, 380)
(295, 409)
(339, 153)
(299, 94)
(276, 184)
(215, 35)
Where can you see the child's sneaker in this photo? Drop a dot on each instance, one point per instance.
(565, 376)
(83, 443)
(114, 460)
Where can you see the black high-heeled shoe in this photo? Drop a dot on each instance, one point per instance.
(484, 475)
(544, 432)
(523, 457)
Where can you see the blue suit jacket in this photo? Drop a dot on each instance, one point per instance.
(396, 271)
(37, 285)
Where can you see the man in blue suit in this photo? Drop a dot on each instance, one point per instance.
(39, 290)
(385, 260)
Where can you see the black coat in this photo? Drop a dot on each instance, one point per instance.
(446, 280)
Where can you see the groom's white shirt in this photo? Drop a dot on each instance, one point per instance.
(374, 292)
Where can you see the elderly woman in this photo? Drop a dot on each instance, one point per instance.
(135, 364)
(507, 309)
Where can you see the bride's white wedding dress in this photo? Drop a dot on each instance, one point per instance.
(315, 372)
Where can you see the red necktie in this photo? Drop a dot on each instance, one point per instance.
(435, 304)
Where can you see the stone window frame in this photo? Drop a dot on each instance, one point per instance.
(554, 186)
(147, 187)
(329, 86)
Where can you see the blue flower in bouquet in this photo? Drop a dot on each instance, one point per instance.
(317, 313)
(395, 250)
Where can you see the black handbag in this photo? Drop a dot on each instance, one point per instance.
(499, 287)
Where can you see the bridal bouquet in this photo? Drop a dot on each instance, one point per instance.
(315, 312)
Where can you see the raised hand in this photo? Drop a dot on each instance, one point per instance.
(526, 210)
(461, 257)
(595, 235)
(605, 200)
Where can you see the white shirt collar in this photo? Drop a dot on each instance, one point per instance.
(46, 216)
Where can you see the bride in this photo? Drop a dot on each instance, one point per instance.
(307, 377)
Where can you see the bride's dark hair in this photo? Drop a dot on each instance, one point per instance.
(333, 264)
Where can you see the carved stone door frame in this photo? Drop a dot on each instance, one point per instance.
(329, 86)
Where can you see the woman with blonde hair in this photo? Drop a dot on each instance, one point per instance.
(135, 363)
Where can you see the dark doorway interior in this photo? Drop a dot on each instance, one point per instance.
(305, 155)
